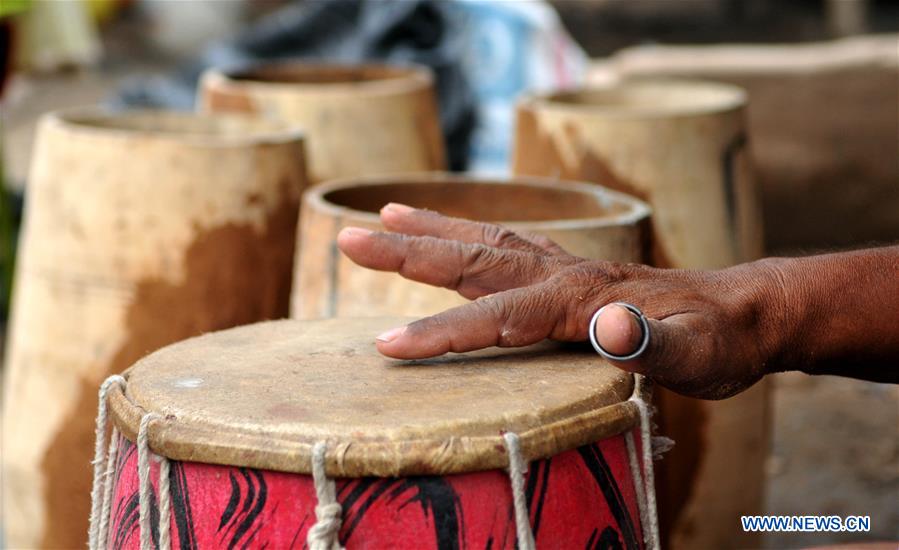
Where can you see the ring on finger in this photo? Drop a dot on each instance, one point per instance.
(644, 339)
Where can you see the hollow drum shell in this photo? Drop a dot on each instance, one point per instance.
(584, 219)
(358, 119)
(140, 229)
(682, 147)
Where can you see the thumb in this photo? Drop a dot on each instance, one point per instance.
(671, 342)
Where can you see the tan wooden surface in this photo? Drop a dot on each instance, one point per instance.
(584, 219)
(262, 395)
(358, 120)
(682, 147)
(139, 230)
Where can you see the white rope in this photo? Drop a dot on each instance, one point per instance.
(143, 474)
(323, 535)
(646, 498)
(517, 468)
(99, 461)
(165, 505)
(639, 487)
(103, 535)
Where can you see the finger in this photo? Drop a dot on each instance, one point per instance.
(413, 221)
(618, 331)
(471, 269)
(509, 319)
(677, 354)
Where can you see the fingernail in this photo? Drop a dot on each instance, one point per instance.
(390, 335)
(398, 208)
(355, 232)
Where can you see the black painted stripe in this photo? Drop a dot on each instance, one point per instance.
(602, 474)
(253, 513)
(252, 536)
(128, 523)
(233, 501)
(355, 489)
(184, 519)
(356, 515)
(538, 482)
(437, 497)
(247, 501)
(608, 540)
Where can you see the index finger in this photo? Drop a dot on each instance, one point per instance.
(471, 269)
(415, 221)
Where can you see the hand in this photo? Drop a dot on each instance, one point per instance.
(709, 337)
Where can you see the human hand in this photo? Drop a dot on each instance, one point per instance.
(709, 335)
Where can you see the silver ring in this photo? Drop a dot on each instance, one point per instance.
(644, 325)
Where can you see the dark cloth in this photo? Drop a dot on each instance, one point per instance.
(426, 32)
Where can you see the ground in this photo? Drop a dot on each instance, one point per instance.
(835, 451)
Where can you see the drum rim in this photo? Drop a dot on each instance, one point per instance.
(200, 427)
(634, 210)
(352, 459)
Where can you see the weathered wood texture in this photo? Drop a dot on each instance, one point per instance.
(140, 229)
(358, 120)
(585, 219)
(681, 146)
(824, 125)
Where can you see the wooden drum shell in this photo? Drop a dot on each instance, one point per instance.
(140, 229)
(358, 119)
(679, 145)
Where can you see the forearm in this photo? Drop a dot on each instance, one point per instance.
(839, 313)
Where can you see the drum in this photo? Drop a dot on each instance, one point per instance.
(679, 145)
(358, 119)
(287, 433)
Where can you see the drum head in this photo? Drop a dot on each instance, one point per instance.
(261, 395)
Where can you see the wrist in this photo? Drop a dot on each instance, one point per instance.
(773, 300)
(787, 307)
(827, 314)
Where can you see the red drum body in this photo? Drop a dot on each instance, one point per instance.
(583, 498)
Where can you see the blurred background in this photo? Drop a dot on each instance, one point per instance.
(823, 117)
